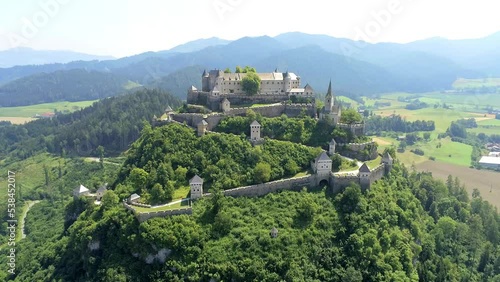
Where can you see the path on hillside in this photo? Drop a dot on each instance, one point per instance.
(23, 217)
(171, 203)
(97, 161)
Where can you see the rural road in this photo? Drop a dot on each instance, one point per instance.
(23, 217)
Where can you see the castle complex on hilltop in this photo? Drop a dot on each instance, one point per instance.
(218, 86)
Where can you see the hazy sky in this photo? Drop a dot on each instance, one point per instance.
(120, 28)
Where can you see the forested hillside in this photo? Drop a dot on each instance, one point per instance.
(223, 160)
(112, 123)
(407, 227)
(73, 85)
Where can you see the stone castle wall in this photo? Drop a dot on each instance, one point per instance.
(193, 119)
(213, 102)
(377, 173)
(213, 119)
(358, 129)
(294, 184)
(147, 215)
(340, 181)
(355, 150)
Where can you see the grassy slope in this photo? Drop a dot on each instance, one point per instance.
(29, 111)
(476, 83)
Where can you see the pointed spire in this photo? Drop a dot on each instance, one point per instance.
(204, 73)
(329, 92)
(276, 70)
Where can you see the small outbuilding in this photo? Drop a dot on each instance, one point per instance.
(134, 198)
(100, 192)
(80, 191)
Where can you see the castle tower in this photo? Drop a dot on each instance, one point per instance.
(255, 131)
(196, 185)
(329, 99)
(387, 160)
(202, 127)
(364, 177)
(331, 147)
(322, 165)
(205, 82)
(225, 105)
(308, 90)
(168, 113)
(287, 85)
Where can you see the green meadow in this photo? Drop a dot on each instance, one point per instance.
(30, 111)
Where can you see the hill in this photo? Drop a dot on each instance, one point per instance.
(72, 85)
(407, 227)
(199, 44)
(179, 81)
(112, 123)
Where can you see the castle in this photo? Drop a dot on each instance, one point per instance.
(220, 91)
(219, 87)
(321, 175)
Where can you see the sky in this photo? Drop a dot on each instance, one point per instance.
(121, 28)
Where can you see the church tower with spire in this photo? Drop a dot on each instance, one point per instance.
(331, 111)
(329, 98)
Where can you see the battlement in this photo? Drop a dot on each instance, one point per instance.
(269, 187)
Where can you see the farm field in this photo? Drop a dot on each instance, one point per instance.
(476, 82)
(17, 120)
(484, 180)
(30, 111)
(449, 152)
(462, 107)
(487, 126)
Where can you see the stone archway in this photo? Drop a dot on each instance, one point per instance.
(324, 182)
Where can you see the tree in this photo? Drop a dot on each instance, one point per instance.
(227, 70)
(100, 153)
(110, 199)
(262, 172)
(138, 177)
(350, 116)
(180, 174)
(251, 83)
(248, 69)
(238, 69)
(427, 136)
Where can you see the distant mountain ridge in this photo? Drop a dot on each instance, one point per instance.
(355, 67)
(27, 56)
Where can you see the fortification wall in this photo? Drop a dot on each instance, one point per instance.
(197, 97)
(294, 110)
(145, 216)
(355, 150)
(377, 173)
(193, 119)
(213, 102)
(294, 184)
(339, 181)
(358, 129)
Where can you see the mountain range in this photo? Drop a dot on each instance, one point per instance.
(355, 67)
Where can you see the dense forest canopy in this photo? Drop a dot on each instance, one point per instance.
(72, 85)
(407, 227)
(165, 158)
(113, 123)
